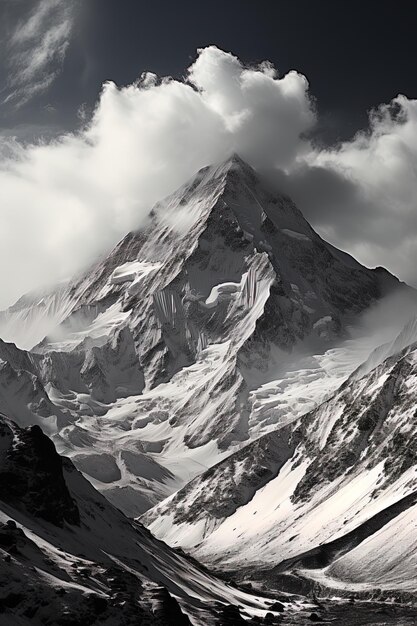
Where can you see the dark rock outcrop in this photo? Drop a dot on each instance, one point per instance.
(31, 475)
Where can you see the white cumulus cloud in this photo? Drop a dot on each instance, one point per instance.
(66, 201)
(362, 194)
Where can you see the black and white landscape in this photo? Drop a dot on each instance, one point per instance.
(216, 380)
(208, 412)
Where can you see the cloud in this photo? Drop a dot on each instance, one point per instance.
(362, 194)
(36, 49)
(69, 199)
(264, 114)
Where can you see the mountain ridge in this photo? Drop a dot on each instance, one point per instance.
(160, 345)
(216, 376)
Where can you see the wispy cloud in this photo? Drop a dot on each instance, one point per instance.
(37, 48)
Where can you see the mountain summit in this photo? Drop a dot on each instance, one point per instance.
(146, 375)
(203, 376)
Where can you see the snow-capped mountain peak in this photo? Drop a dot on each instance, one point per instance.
(157, 361)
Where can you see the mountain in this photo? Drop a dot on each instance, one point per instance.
(330, 501)
(223, 374)
(161, 360)
(68, 557)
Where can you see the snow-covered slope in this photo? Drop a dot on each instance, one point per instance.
(69, 557)
(167, 356)
(330, 499)
(222, 373)
(35, 315)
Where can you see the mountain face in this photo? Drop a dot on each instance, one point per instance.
(68, 557)
(332, 501)
(205, 375)
(157, 361)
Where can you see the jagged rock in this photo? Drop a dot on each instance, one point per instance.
(31, 476)
(246, 270)
(230, 616)
(167, 345)
(168, 611)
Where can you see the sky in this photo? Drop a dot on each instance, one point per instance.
(107, 106)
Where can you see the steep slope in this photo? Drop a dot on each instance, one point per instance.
(162, 362)
(23, 396)
(332, 499)
(35, 314)
(68, 557)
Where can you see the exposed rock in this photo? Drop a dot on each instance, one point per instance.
(31, 475)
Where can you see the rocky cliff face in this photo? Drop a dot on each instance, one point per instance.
(68, 557)
(157, 356)
(31, 475)
(203, 374)
(335, 510)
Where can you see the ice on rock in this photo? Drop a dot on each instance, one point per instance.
(68, 554)
(124, 274)
(133, 272)
(195, 338)
(249, 289)
(168, 308)
(343, 500)
(35, 315)
(221, 293)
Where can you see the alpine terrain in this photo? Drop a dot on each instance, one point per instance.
(215, 424)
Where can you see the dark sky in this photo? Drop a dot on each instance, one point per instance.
(355, 54)
(68, 200)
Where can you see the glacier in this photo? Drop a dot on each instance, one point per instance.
(228, 378)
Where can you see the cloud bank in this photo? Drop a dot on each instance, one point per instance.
(362, 194)
(68, 200)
